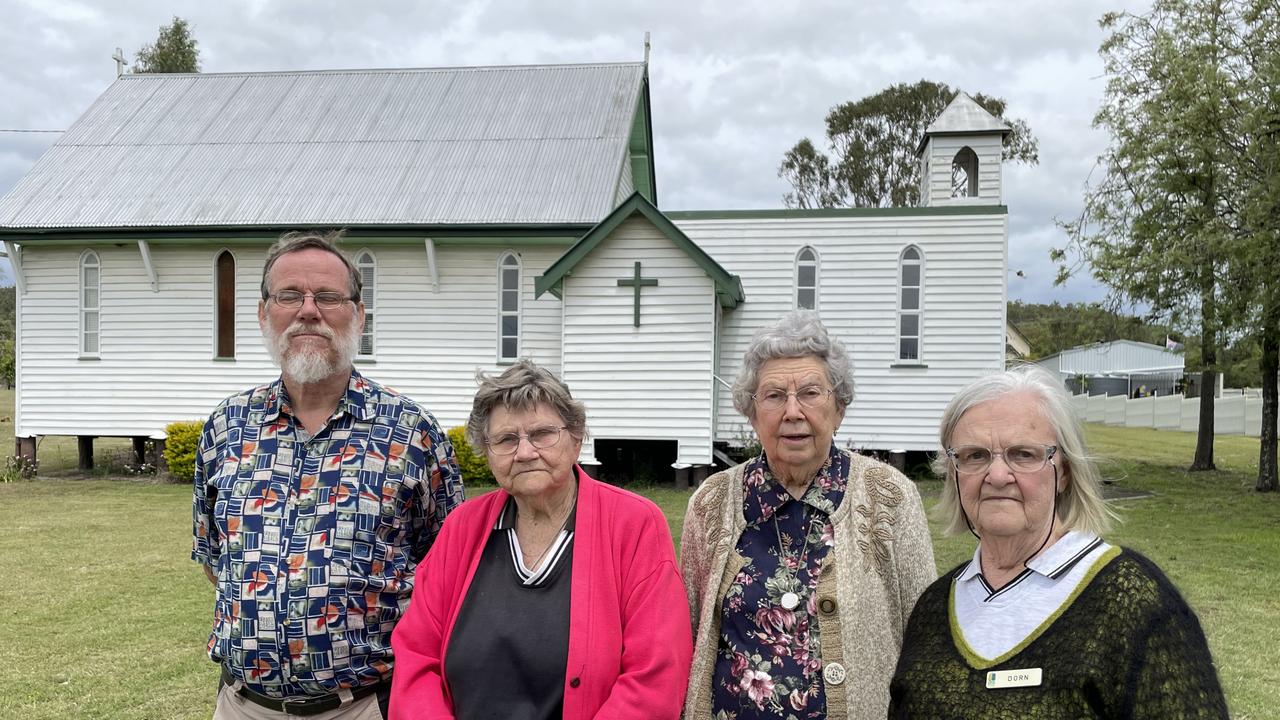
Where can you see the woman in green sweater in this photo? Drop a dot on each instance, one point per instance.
(1047, 620)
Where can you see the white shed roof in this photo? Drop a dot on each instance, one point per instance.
(516, 144)
(1119, 357)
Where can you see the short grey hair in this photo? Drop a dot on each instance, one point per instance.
(299, 240)
(798, 334)
(1081, 505)
(523, 386)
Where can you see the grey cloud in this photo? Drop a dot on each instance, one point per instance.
(733, 85)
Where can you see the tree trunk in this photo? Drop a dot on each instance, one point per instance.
(1204, 436)
(1208, 376)
(1270, 364)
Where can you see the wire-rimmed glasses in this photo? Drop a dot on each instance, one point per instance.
(325, 300)
(810, 396)
(540, 438)
(1020, 458)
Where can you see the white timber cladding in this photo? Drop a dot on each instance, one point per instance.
(895, 406)
(942, 150)
(652, 382)
(155, 363)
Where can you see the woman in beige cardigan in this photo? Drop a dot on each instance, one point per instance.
(802, 564)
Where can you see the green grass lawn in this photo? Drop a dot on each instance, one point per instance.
(104, 615)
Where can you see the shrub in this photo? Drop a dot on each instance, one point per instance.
(475, 469)
(18, 467)
(180, 448)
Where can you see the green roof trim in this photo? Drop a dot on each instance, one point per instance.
(728, 286)
(784, 213)
(640, 146)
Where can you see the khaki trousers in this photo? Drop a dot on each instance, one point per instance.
(233, 707)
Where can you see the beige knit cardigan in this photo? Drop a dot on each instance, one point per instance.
(881, 561)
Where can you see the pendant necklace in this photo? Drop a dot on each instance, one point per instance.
(791, 599)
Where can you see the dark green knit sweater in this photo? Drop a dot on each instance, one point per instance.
(1125, 646)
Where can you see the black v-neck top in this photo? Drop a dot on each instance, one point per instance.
(510, 644)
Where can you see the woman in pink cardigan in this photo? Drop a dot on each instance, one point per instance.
(556, 596)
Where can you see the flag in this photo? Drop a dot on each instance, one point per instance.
(1172, 345)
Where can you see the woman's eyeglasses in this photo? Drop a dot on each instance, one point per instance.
(810, 396)
(539, 438)
(1021, 458)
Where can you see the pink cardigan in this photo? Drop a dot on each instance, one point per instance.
(630, 642)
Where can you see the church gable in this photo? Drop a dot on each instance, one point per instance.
(728, 288)
(639, 331)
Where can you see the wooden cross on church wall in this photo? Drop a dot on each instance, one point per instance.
(637, 282)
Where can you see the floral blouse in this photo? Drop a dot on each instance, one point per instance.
(769, 661)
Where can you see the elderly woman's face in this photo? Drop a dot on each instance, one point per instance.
(795, 438)
(531, 471)
(1004, 502)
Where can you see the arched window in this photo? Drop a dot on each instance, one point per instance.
(964, 174)
(807, 279)
(368, 269)
(90, 303)
(508, 307)
(225, 303)
(910, 303)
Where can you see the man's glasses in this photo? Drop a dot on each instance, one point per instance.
(810, 396)
(1021, 458)
(293, 299)
(539, 438)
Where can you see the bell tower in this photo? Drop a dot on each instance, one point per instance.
(960, 156)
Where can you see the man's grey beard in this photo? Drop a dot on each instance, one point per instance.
(311, 366)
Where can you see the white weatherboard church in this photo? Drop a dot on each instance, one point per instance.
(495, 213)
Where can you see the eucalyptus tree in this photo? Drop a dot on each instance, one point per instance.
(873, 141)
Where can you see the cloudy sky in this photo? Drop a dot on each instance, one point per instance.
(734, 84)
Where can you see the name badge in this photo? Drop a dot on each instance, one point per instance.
(997, 679)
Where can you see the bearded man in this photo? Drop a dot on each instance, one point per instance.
(315, 498)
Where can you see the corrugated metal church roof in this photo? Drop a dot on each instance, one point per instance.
(516, 144)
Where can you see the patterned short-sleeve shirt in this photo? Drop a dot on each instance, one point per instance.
(769, 660)
(314, 539)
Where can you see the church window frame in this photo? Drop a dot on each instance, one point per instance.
(910, 316)
(807, 278)
(510, 276)
(366, 264)
(224, 305)
(964, 173)
(89, 271)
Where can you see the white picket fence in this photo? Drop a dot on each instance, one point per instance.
(1232, 415)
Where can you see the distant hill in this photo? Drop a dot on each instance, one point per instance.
(1056, 327)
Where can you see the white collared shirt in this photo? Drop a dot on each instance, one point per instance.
(995, 621)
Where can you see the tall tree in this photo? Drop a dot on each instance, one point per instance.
(1158, 228)
(873, 148)
(1260, 187)
(174, 51)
